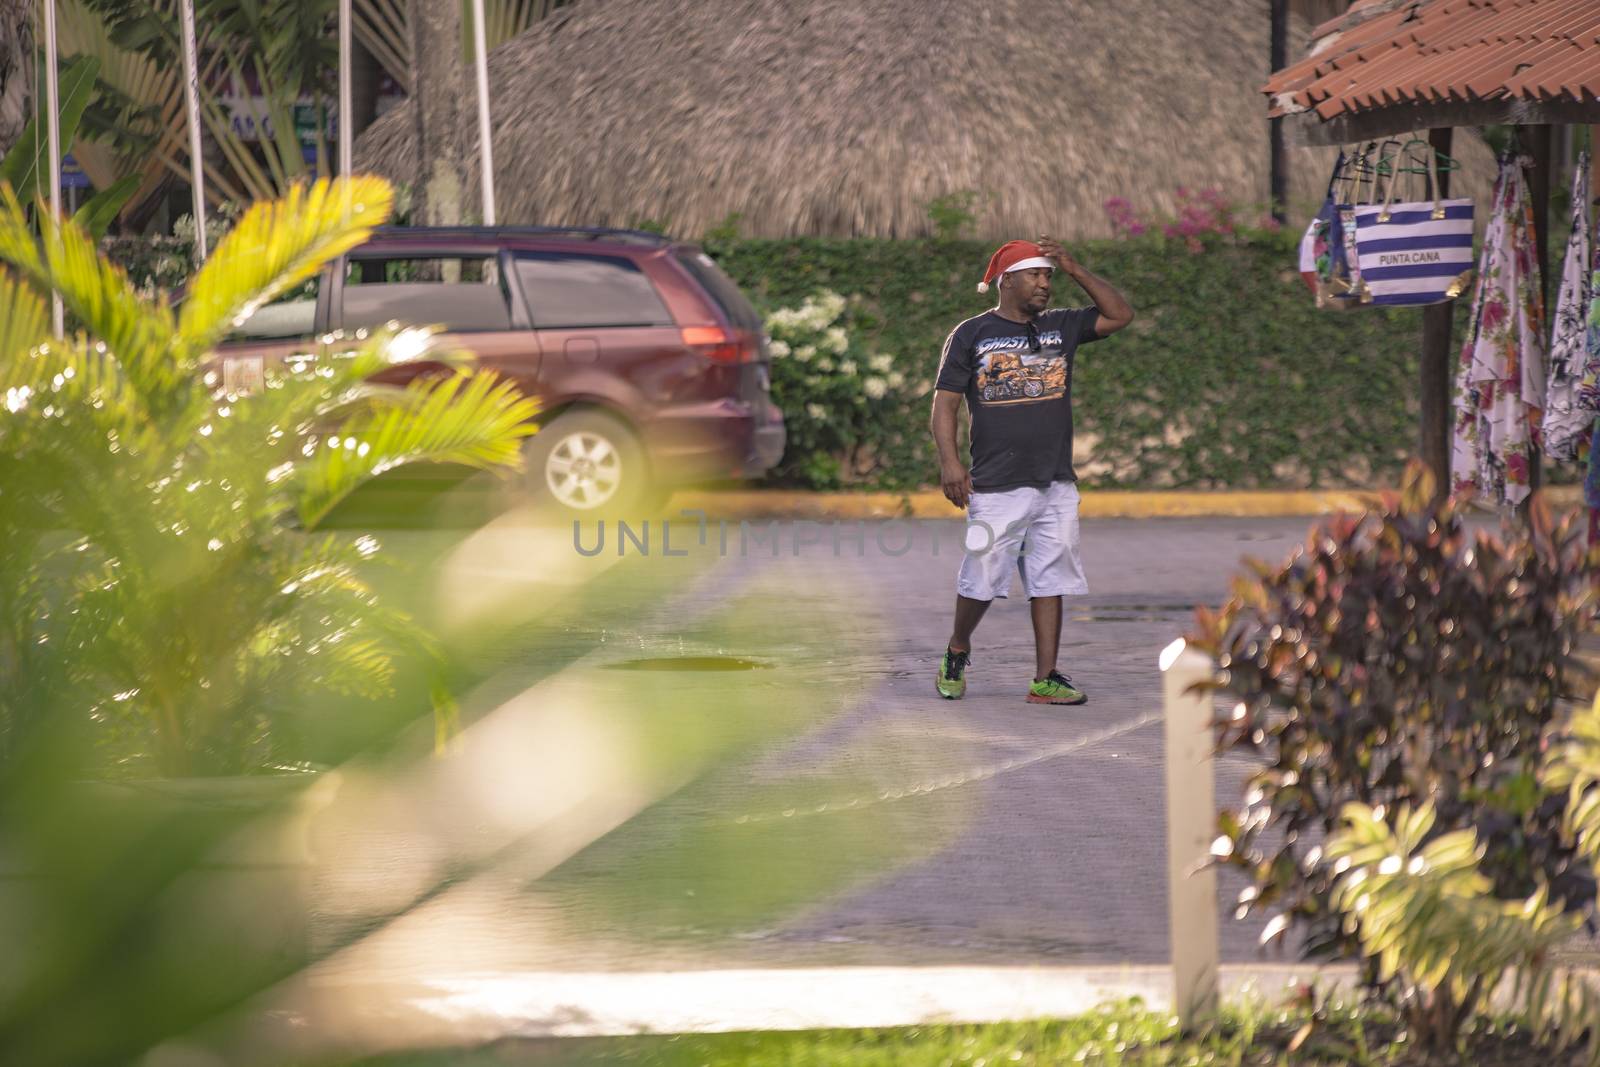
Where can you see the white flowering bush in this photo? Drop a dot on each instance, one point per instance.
(844, 403)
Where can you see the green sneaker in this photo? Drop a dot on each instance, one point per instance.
(952, 684)
(1056, 688)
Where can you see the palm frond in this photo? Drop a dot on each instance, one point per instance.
(312, 393)
(476, 420)
(278, 244)
(22, 327)
(383, 27)
(26, 166)
(139, 333)
(77, 370)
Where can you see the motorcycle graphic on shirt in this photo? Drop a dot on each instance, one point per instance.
(1009, 372)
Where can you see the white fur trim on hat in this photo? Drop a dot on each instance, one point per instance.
(1030, 264)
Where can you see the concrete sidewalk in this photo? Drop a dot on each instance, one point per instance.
(1097, 503)
(473, 1009)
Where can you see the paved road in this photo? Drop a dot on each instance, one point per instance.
(860, 820)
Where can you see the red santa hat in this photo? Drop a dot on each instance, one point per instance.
(1014, 255)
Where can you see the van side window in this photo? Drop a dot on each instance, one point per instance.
(291, 317)
(457, 293)
(570, 291)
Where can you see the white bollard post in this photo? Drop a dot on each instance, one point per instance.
(1191, 826)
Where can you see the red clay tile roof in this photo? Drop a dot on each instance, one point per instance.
(1385, 52)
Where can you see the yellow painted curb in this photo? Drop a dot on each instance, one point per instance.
(1097, 504)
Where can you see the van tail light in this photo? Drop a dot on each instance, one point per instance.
(722, 346)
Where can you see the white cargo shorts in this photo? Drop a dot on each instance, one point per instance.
(1034, 531)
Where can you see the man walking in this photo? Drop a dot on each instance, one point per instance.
(1013, 366)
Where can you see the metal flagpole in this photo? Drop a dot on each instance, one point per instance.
(346, 95)
(191, 93)
(52, 103)
(480, 55)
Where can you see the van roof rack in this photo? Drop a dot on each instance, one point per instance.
(579, 233)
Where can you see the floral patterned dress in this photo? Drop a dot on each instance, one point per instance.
(1568, 420)
(1500, 387)
(1589, 397)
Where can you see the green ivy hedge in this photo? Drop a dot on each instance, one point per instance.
(1230, 377)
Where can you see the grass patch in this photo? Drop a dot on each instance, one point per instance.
(1124, 1035)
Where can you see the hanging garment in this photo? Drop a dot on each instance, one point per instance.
(1589, 387)
(1589, 397)
(1500, 387)
(1567, 420)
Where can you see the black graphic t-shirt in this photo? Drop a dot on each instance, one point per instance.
(1017, 378)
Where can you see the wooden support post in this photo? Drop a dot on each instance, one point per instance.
(1437, 321)
(1594, 161)
(1279, 161)
(1191, 827)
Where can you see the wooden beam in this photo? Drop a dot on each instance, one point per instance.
(1434, 383)
(1306, 128)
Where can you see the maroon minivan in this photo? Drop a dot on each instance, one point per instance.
(651, 367)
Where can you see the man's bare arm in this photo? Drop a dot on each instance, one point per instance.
(1115, 311)
(954, 478)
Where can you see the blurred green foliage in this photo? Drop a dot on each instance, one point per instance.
(189, 602)
(163, 589)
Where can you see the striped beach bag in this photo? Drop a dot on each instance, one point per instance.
(1411, 253)
(1327, 260)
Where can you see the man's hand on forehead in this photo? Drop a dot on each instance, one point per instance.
(1053, 249)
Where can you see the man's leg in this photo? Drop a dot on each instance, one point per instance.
(993, 539)
(1052, 568)
(1046, 634)
(985, 574)
(969, 613)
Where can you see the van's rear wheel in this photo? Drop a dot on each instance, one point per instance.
(589, 464)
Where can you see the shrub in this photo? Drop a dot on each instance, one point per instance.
(1394, 661)
(953, 214)
(833, 393)
(1439, 938)
(1426, 916)
(1201, 213)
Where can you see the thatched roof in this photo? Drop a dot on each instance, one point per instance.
(848, 117)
